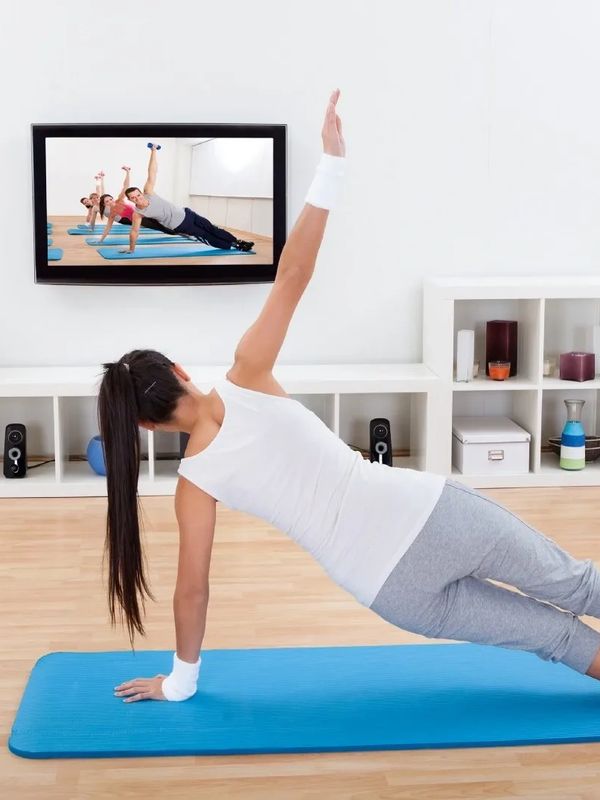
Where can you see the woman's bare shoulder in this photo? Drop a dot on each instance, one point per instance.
(258, 382)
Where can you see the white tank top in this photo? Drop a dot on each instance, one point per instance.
(277, 460)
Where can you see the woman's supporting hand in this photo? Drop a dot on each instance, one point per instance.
(141, 689)
(333, 140)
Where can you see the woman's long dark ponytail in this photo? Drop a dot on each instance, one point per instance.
(102, 204)
(141, 386)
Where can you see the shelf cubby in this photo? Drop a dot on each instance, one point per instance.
(520, 406)
(568, 325)
(406, 413)
(554, 412)
(40, 442)
(474, 314)
(78, 423)
(30, 411)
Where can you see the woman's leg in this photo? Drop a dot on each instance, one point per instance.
(481, 612)
(523, 557)
(432, 590)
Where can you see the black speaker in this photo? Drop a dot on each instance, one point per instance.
(15, 451)
(380, 439)
(183, 441)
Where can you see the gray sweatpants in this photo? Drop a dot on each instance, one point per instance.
(439, 588)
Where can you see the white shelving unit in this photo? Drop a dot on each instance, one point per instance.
(555, 315)
(57, 402)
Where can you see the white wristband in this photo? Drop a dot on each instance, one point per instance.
(181, 683)
(326, 188)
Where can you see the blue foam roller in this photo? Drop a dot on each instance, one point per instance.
(167, 251)
(54, 254)
(308, 699)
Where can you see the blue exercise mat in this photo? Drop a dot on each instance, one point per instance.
(160, 239)
(306, 700)
(48, 226)
(117, 227)
(54, 254)
(125, 230)
(101, 225)
(169, 251)
(49, 241)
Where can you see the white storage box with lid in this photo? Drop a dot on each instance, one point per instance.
(489, 446)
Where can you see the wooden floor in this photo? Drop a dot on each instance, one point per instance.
(265, 592)
(76, 252)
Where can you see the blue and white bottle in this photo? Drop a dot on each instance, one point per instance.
(572, 441)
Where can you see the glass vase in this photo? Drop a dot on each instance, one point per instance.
(572, 440)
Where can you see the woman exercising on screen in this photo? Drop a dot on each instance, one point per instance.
(416, 548)
(182, 221)
(120, 210)
(91, 202)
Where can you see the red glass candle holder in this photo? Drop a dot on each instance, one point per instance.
(576, 366)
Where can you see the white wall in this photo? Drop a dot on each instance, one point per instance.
(183, 166)
(474, 148)
(251, 214)
(72, 163)
(233, 168)
(231, 182)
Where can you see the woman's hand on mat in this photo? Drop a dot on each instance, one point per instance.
(141, 689)
(333, 141)
(125, 250)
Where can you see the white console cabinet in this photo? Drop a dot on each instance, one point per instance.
(58, 406)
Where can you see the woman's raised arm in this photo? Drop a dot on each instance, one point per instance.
(259, 347)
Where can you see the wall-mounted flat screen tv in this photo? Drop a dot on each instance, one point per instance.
(158, 204)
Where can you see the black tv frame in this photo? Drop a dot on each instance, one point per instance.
(147, 274)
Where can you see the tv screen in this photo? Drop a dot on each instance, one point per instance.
(158, 204)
